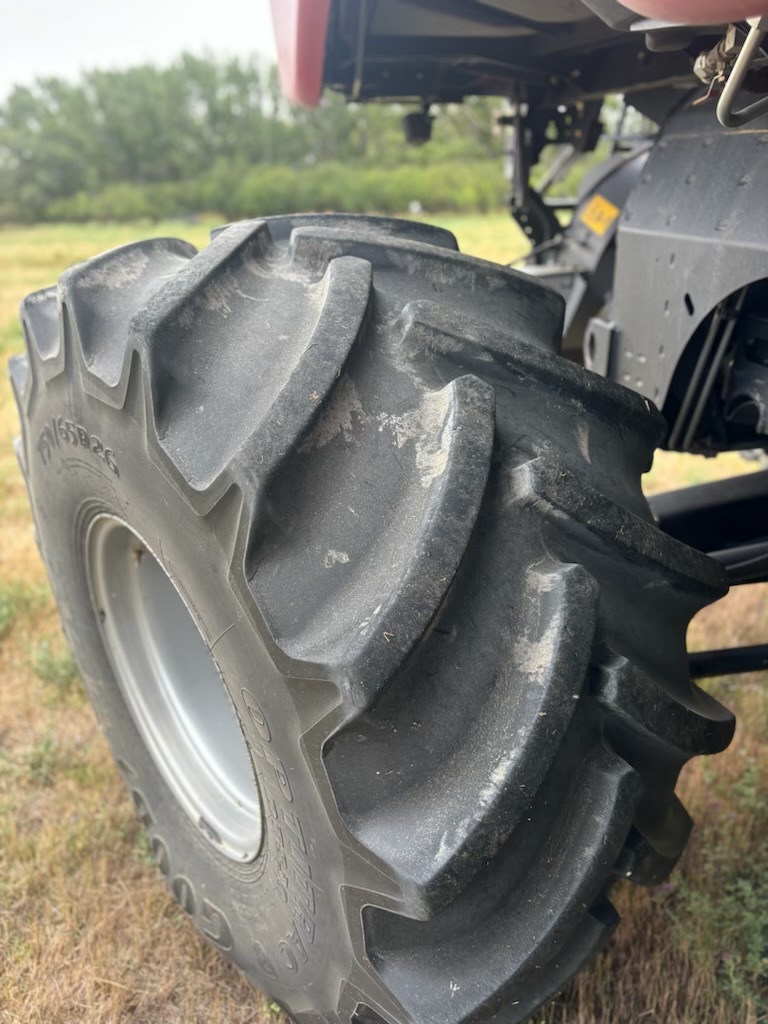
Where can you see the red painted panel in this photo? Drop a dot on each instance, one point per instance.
(301, 28)
(702, 12)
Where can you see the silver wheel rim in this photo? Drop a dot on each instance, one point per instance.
(173, 689)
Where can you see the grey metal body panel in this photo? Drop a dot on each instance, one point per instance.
(692, 233)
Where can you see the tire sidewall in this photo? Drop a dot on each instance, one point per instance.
(271, 917)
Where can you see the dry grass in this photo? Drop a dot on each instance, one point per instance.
(87, 931)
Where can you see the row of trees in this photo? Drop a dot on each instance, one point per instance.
(218, 136)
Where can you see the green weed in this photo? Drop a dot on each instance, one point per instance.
(42, 762)
(17, 601)
(53, 663)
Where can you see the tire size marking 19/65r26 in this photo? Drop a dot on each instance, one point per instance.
(63, 433)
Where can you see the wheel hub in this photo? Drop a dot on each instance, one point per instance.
(174, 689)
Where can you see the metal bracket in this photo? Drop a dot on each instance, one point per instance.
(725, 519)
(726, 114)
(598, 344)
(730, 662)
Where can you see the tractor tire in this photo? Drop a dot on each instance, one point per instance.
(360, 577)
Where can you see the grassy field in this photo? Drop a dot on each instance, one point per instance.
(87, 931)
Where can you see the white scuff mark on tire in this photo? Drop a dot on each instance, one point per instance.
(334, 557)
(338, 417)
(443, 848)
(216, 296)
(117, 272)
(495, 785)
(251, 298)
(535, 656)
(432, 460)
(429, 427)
(582, 439)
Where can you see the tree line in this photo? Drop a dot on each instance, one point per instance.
(204, 135)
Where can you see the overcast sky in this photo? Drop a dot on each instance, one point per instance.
(64, 37)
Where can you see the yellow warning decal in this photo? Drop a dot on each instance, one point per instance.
(599, 214)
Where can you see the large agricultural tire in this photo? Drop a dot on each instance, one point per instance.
(324, 494)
